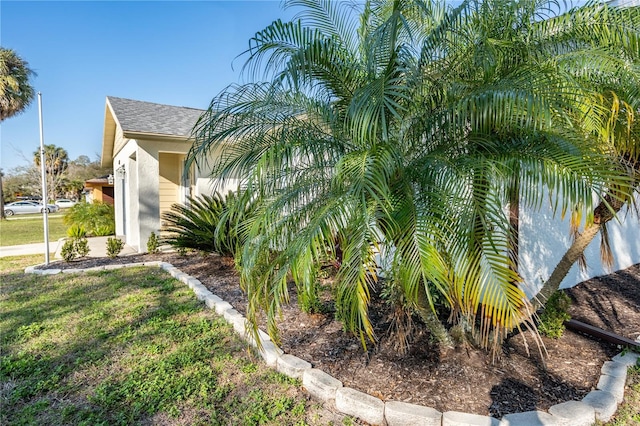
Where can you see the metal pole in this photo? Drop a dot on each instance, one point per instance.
(45, 213)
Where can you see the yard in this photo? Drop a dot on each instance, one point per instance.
(26, 229)
(132, 346)
(135, 347)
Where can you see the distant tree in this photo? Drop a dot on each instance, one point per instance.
(56, 161)
(25, 180)
(82, 160)
(78, 171)
(16, 92)
(21, 181)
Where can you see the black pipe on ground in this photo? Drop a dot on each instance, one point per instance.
(605, 335)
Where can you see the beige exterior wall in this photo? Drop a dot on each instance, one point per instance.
(169, 185)
(120, 141)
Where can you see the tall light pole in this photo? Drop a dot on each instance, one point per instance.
(45, 209)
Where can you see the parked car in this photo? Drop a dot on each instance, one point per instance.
(25, 207)
(64, 203)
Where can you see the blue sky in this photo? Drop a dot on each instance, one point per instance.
(172, 52)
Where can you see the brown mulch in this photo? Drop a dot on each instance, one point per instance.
(462, 380)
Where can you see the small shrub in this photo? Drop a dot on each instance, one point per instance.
(82, 247)
(554, 315)
(153, 243)
(239, 210)
(309, 292)
(74, 247)
(114, 247)
(68, 251)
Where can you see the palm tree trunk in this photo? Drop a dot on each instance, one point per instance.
(433, 323)
(514, 221)
(601, 215)
(580, 243)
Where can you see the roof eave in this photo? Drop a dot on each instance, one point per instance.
(132, 134)
(108, 136)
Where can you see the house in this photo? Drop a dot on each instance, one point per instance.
(146, 145)
(99, 189)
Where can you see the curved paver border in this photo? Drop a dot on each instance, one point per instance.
(600, 404)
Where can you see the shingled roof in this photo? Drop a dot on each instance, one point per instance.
(144, 120)
(150, 118)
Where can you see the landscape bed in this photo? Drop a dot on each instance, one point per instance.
(465, 380)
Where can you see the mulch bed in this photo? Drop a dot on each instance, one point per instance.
(462, 380)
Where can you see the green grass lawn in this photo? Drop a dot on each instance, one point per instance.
(131, 346)
(26, 229)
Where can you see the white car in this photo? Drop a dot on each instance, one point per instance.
(26, 207)
(64, 203)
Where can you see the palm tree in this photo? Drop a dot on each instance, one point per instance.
(16, 92)
(56, 161)
(609, 73)
(406, 127)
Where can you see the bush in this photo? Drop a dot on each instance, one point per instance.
(153, 243)
(114, 247)
(82, 247)
(68, 251)
(554, 315)
(98, 219)
(209, 223)
(75, 246)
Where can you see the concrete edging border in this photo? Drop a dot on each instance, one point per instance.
(600, 404)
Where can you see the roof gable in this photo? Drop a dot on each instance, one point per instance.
(150, 118)
(140, 120)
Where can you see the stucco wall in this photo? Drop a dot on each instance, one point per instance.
(121, 186)
(136, 201)
(206, 186)
(141, 192)
(149, 200)
(132, 208)
(544, 239)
